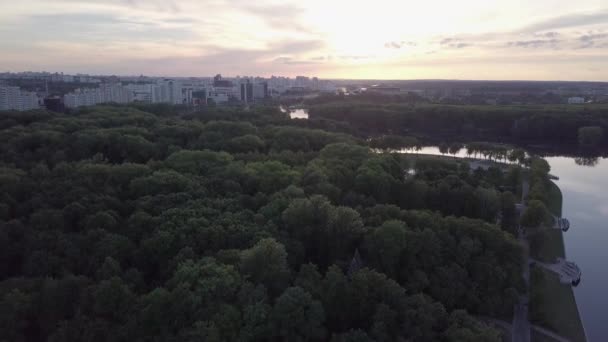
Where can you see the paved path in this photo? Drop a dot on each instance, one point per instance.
(509, 326)
(550, 334)
(521, 322)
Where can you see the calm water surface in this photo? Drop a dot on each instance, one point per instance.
(298, 113)
(585, 192)
(585, 204)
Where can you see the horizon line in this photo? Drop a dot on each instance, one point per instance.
(319, 77)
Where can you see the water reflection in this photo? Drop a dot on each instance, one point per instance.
(587, 161)
(295, 113)
(298, 113)
(461, 153)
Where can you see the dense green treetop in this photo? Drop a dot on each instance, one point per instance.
(144, 224)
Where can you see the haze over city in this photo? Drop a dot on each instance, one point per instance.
(472, 39)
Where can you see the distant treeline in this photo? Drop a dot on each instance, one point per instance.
(558, 124)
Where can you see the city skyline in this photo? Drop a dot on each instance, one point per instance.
(510, 40)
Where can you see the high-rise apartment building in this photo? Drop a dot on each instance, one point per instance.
(13, 98)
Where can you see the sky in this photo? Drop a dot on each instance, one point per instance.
(379, 39)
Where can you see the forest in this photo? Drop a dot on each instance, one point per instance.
(148, 224)
(565, 125)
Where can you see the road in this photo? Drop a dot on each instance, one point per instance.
(525, 188)
(521, 322)
(550, 334)
(508, 326)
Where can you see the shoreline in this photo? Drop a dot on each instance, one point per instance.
(580, 317)
(557, 309)
(562, 295)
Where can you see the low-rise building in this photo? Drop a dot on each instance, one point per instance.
(576, 100)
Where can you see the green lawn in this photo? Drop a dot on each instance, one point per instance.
(553, 306)
(538, 337)
(554, 199)
(547, 244)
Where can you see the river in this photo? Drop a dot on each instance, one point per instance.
(585, 204)
(585, 193)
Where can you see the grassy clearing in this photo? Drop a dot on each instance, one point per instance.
(538, 337)
(553, 306)
(547, 244)
(554, 199)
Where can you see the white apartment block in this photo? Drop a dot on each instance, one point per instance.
(142, 92)
(576, 100)
(218, 97)
(13, 98)
(106, 93)
(164, 91)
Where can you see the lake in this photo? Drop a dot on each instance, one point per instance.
(585, 204)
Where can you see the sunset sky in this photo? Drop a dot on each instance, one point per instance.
(467, 39)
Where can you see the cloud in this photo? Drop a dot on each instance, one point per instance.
(292, 61)
(603, 209)
(398, 45)
(282, 59)
(551, 34)
(250, 59)
(535, 43)
(99, 27)
(568, 21)
(459, 45)
(354, 57)
(182, 37)
(454, 43)
(163, 6)
(592, 37)
(297, 46)
(593, 40)
(275, 14)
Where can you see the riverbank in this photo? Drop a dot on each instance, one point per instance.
(553, 304)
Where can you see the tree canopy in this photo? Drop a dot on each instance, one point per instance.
(151, 224)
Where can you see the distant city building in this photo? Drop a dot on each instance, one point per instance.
(13, 98)
(219, 82)
(576, 100)
(106, 93)
(217, 97)
(91, 90)
(260, 90)
(303, 81)
(141, 92)
(199, 97)
(54, 104)
(246, 91)
(385, 90)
